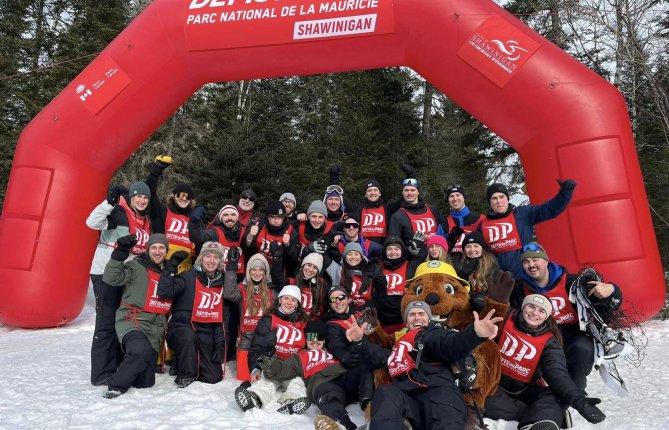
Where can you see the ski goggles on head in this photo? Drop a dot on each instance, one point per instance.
(340, 298)
(532, 247)
(334, 189)
(410, 181)
(315, 336)
(454, 186)
(183, 196)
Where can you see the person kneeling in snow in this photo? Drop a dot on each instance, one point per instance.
(279, 333)
(196, 331)
(142, 317)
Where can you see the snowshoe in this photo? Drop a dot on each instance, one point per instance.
(297, 406)
(183, 382)
(541, 425)
(246, 399)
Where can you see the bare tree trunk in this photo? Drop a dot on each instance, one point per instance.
(426, 130)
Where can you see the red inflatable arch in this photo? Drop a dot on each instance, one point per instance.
(563, 119)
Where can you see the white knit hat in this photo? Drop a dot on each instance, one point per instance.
(314, 258)
(291, 290)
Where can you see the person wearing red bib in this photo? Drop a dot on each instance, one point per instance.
(279, 334)
(535, 387)
(245, 206)
(329, 384)
(552, 280)
(350, 227)
(414, 214)
(461, 220)
(196, 331)
(258, 294)
(142, 316)
(172, 217)
(122, 213)
(311, 282)
(423, 389)
(506, 228)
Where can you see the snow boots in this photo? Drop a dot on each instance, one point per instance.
(542, 425)
(297, 406)
(183, 382)
(246, 399)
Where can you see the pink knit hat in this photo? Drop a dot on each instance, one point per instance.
(438, 240)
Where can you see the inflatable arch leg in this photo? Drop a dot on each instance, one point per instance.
(564, 120)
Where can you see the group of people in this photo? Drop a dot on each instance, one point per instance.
(291, 295)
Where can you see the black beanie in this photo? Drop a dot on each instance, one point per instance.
(248, 193)
(183, 188)
(456, 189)
(497, 188)
(474, 237)
(275, 207)
(315, 326)
(369, 183)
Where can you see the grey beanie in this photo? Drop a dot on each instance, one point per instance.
(257, 260)
(319, 207)
(418, 304)
(211, 248)
(314, 258)
(288, 196)
(353, 246)
(139, 188)
(157, 238)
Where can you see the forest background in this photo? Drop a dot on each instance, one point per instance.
(278, 135)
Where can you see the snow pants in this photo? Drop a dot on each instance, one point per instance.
(333, 396)
(137, 368)
(106, 351)
(281, 391)
(193, 354)
(579, 350)
(534, 404)
(232, 316)
(434, 408)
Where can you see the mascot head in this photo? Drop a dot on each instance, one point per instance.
(437, 284)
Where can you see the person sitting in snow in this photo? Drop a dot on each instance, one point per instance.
(142, 316)
(329, 384)
(535, 387)
(280, 334)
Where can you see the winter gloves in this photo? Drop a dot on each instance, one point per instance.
(115, 193)
(123, 246)
(276, 249)
(233, 258)
(270, 366)
(161, 163)
(369, 316)
(320, 246)
(586, 407)
(219, 353)
(172, 264)
(416, 242)
(197, 214)
(567, 185)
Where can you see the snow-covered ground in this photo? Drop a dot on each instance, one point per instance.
(44, 383)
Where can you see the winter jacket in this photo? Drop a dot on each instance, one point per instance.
(526, 217)
(182, 289)
(291, 367)
(112, 222)
(400, 224)
(552, 366)
(369, 270)
(441, 346)
(133, 275)
(335, 335)
(264, 338)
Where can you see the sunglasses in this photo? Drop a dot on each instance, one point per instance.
(315, 336)
(532, 247)
(248, 198)
(183, 196)
(353, 225)
(410, 181)
(337, 299)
